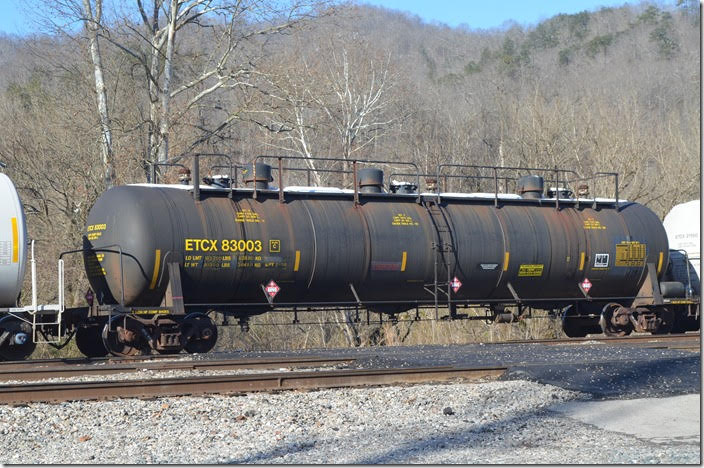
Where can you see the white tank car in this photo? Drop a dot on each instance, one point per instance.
(13, 245)
(683, 233)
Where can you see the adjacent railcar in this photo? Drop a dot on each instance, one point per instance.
(13, 245)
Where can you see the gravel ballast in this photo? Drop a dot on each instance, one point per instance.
(492, 422)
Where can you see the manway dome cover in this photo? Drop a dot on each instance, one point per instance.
(13, 247)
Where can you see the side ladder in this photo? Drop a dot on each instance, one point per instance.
(445, 260)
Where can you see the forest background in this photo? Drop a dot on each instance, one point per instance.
(109, 89)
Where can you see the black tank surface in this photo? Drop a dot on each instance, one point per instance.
(318, 243)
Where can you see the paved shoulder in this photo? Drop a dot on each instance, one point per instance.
(659, 420)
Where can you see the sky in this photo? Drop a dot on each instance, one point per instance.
(476, 14)
(486, 14)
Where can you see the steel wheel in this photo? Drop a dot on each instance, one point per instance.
(667, 324)
(200, 332)
(89, 341)
(607, 325)
(122, 337)
(571, 324)
(16, 341)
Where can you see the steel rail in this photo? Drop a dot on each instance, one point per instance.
(235, 384)
(109, 360)
(30, 371)
(632, 339)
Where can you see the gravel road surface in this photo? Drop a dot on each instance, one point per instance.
(556, 405)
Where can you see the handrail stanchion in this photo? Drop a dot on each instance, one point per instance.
(437, 184)
(557, 189)
(62, 298)
(281, 184)
(615, 176)
(616, 189)
(356, 192)
(254, 178)
(33, 264)
(496, 188)
(196, 178)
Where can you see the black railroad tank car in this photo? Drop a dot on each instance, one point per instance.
(316, 244)
(386, 252)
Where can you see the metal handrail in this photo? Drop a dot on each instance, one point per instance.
(308, 170)
(689, 290)
(157, 164)
(196, 168)
(196, 171)
(599, 175)
(556, 171)
(233, 175)
(506, 180)
(104, 249)
(354, 163)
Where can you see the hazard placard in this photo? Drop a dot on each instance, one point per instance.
(586, 285)
(272, 289)
(456, 284)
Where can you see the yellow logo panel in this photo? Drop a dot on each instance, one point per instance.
(530, 270)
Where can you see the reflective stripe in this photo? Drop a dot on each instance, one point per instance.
(403, 261)
(15, 242)
(506, 257)
(582, 257)
(155, 274)
(298, 260)
(660, 262)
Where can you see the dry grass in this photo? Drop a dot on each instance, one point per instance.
(330, 329)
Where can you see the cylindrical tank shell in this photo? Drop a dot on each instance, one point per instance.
(321, 248)
(682, 224)
(13, 244)
(545, 253)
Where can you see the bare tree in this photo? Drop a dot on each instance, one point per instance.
(93, 15)
(329, 90)
(90, 14)
(226, 39)
(358, 97)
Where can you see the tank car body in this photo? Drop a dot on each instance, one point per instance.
(682, 285)
(682, 225)
(15, 328)
(245, 251)
(318, 242)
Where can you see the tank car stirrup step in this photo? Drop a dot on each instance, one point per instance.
(174, 293)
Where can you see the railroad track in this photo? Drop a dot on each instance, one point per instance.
(678, 341)
(30, 370)
(234, 384)
(56, 368)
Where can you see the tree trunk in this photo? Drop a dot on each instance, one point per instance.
(92, 23)
(165, 89)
